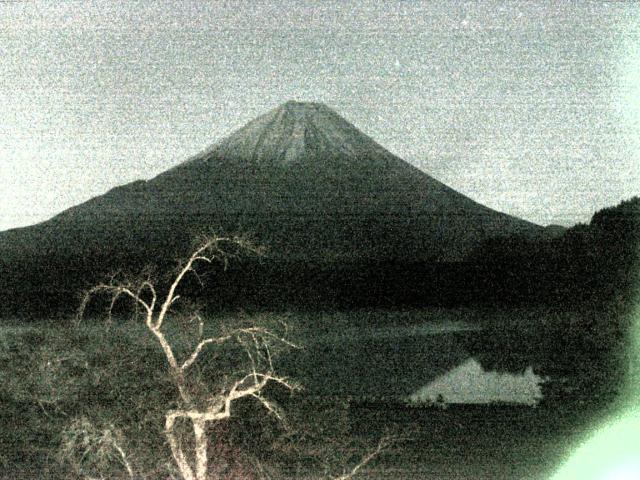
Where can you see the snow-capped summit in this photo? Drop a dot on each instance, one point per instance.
(292, 132)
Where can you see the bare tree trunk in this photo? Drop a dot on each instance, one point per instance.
(176, 450)
(175, 371)
(200, 431)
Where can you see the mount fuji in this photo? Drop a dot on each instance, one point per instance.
(302, 180)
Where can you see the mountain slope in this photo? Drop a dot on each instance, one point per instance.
(300, 179)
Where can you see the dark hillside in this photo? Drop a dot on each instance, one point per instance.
(594, 263)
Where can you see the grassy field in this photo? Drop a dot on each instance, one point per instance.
(112, 378)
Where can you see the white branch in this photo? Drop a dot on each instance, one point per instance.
(195, 256)
(123, 457)
(115, 291)
(149, 286)
(198, 349)
(202, 258)
(270, 406)
(383, 444)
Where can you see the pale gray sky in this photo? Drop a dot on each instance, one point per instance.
(532, 108)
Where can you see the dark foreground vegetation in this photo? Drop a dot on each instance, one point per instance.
(90, 402)
(72, 393)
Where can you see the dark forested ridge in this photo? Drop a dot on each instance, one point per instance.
(591, 264)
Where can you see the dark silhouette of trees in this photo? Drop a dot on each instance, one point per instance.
(594, 263)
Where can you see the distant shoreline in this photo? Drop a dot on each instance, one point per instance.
(424, 329)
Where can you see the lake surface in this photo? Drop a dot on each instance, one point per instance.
(419, 363)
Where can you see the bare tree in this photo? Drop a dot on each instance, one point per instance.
(200, 411)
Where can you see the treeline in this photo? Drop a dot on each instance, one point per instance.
(590, 263)
(594, 265)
